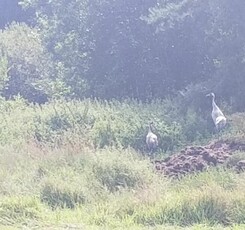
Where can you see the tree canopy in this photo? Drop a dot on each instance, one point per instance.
(120, 49)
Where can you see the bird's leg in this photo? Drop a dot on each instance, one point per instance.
(218, 133)
(148, 152)
(154, 155)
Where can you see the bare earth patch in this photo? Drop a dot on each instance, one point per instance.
(199, 158)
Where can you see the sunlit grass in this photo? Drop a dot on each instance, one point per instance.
(113, 189)
(80, 164)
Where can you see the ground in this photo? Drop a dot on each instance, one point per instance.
(199, 158)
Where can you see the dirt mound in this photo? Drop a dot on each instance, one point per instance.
(198, 158)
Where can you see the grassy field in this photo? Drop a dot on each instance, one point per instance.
(81, 165)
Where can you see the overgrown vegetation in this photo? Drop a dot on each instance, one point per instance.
(79, 85)
(100, 123)
(54, 172)
(111, 188)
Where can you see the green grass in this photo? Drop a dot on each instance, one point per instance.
(112, 189)
(80, 164)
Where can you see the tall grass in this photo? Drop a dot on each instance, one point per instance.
(111, 188)
(80, 164)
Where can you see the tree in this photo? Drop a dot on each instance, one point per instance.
(64, 30)
(123, 48)
(216, 27)
(226, 37)
(25, 62)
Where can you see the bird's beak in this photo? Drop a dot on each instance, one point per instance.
(208, 95)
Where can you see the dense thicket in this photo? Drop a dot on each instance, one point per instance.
(117, 49)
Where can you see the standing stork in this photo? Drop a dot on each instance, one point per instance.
(151, 139)
(218, 117)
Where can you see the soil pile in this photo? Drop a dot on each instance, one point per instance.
(199, 158)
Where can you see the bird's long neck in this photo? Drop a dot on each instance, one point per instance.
(213, 103)
(150, 129)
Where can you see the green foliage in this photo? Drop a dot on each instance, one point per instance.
(238, 123)
(99, 60)
(26, 61)
(195, 126)
(209, 205)
(109, 123)
(147, 51)
(211, 26)
(66, 34)
(91, 56)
